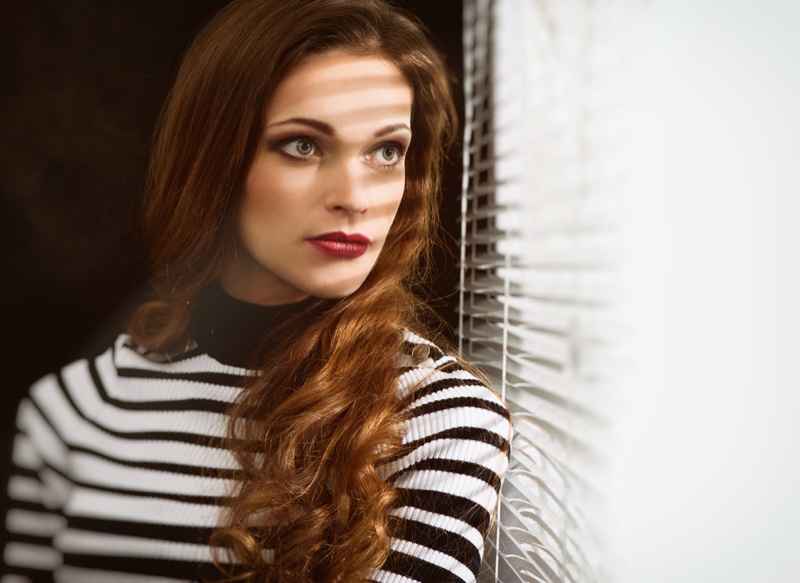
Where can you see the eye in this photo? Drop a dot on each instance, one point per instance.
(300, 147)
(389, 154)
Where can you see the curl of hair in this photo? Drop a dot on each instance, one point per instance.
(310, 430)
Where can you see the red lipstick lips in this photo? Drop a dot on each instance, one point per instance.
(340, 244)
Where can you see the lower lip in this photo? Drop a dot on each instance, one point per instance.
(340, 249)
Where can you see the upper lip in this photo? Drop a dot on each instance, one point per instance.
(341, 236)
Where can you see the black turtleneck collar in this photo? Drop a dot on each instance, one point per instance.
(230, 330)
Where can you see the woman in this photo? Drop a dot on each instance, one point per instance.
(273, 414)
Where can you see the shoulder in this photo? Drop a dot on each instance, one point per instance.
(125, 358)
(444, 399)
(430, 375)
(128, 377)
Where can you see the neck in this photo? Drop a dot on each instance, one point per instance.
(248, 283)
(232, 330)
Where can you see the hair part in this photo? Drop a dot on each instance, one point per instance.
(310, 431)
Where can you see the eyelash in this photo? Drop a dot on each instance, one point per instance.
(281, 147)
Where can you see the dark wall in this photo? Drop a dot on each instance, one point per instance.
(82, 82)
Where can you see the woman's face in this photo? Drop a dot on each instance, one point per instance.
(325, 183)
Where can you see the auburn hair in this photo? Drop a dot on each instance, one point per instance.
(323, 413)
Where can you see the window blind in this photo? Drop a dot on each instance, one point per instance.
(544, 88)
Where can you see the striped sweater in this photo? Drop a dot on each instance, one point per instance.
(118, 472)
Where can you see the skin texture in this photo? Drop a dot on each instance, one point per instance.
(331, 160)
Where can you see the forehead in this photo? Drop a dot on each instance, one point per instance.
(342, 85)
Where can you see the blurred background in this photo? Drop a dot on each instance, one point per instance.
(706, 475)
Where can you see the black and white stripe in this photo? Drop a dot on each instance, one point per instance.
(120, 470)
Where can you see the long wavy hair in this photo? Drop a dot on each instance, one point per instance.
(310, 430)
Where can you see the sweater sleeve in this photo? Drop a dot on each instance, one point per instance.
(35, 491)
(448, 480)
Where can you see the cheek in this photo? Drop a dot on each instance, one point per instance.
(392, 198)
(277, 198)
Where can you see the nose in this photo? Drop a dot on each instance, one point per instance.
(348, 190)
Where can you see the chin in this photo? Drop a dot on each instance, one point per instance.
(336, 291)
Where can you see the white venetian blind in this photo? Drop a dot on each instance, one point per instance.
(544, 83)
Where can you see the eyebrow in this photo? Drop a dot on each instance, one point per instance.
(328, 130)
